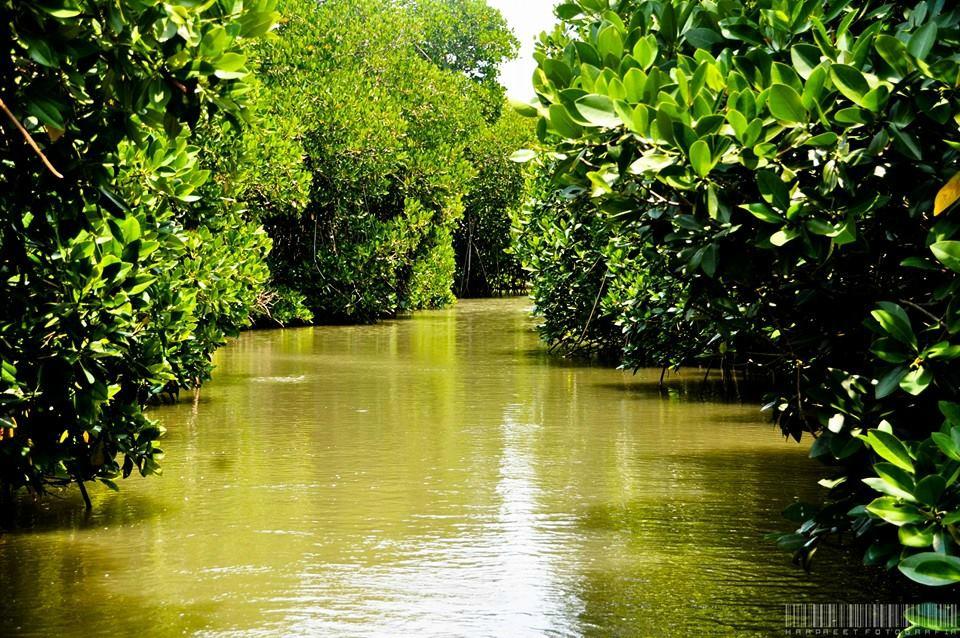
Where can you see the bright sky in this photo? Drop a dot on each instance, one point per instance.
(527, 18)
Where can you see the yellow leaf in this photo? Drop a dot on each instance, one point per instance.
(54, 133)
(86, 436)
(63, 437)
(948, 195)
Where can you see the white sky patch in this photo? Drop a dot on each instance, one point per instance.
(527, 18)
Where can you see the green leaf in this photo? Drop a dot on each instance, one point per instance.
(850, 82)
(947, 445)
(41, 53)
(896, 477)
(633, 82)
(785, 105)
(130, 229)
(948, 253)
(895, 322)
(599, 111)
(916, 537)
(916, 381)
(763, 212)
(701, 158)
(708, 261)
(558, 72)
(951, 412)
(610, 42)
(524, 109)
(895, 53)
(930, 489)
(884, 487)
(737, 122)
(922, 40)
(823, 139)
(890, 382)
(932, 569)
(568, 11)
(230, 66)
(645, 51)
(652, 163)
(773, 190)
(852, 115)
(561, 122)
(47, 111)
(141, 283)
(890, 448)
(784, 236)
(805, 58)
(62, 10)
(702, 38)
(891, 351)
(906, 143)
(875, 99)
(523, 156)
(895, 512)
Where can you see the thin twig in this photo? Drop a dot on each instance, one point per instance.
(924, 311)
(29, 139)
(593, 312)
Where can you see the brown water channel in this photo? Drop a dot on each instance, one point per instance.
(435, 476)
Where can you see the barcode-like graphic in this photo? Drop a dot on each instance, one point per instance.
(867, 616)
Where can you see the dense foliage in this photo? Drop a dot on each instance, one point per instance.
(385, 100)
(141, 155)
(118, 280)
(771, 187)
(482, 239)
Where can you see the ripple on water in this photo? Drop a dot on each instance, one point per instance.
(435, 477)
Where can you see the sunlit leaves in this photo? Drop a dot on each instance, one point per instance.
(785, 105)
(807, 146)
(895, 511)
(894, 53)
(523, 156)
(140, 295)
(701, 158)
(890, 448)
(850, 82)
(562, 123)
(932, 568)
(610, 42)
(948, 253)
(894, 320)
(645, 51)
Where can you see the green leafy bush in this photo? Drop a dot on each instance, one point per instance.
(117, 283)
(758, 183)
(482, 239)
(559, 237)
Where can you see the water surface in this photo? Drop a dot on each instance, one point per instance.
(438, 476)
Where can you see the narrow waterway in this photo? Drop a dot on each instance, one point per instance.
(439, 476)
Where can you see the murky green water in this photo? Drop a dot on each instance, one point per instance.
(440, 476)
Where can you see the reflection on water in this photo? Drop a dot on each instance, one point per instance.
(438, 476)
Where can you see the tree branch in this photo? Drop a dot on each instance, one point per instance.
(29, 140)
